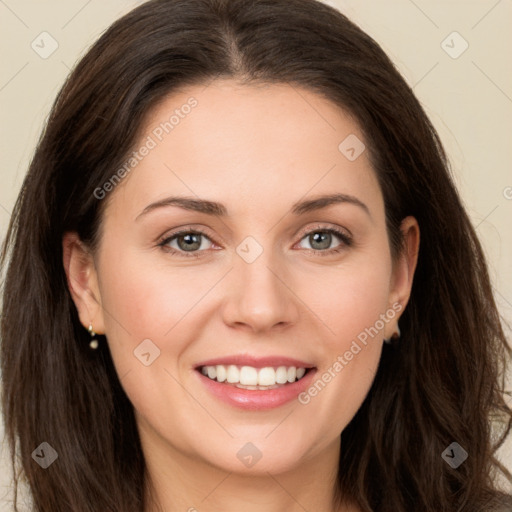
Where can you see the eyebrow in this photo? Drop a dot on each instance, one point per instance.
(219, 210)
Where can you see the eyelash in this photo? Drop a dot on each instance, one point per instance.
(346, 239)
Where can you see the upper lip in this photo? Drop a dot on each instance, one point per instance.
(256, 362)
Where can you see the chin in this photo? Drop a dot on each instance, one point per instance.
(257, 458)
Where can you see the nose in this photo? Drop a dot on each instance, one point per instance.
(260, 296)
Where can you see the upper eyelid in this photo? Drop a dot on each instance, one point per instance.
(321, 227)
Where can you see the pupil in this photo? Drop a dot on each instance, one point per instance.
(190, 241)
(324, 239)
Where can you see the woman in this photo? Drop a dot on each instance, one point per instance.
(173, 338)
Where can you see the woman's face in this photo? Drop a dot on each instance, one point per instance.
(265, 284)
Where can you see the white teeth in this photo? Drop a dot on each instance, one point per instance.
(232, 374)
(248, 377)
(266, 377)
(221, 373)
(263, 388)
(282, 375)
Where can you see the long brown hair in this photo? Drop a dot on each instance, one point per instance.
(444, 381)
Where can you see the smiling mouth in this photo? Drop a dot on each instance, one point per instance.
(249, 377)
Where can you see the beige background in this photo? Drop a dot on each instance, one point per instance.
(468, 98)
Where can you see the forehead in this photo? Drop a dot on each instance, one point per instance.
(266, 144)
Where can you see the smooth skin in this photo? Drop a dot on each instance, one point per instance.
(258, 150)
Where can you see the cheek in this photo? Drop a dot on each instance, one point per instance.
(158, 303)
(355, 310)
(351, 299)
(148, 301)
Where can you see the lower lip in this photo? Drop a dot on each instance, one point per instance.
(256, 400)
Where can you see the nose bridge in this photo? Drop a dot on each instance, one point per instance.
(260, 299)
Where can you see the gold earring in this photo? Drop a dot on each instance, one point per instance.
(94, 342)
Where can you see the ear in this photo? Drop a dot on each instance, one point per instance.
(403, 269)
(82, 281)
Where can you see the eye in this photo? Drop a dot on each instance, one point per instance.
(192, 242)
(320, 240)
(186, 242)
